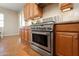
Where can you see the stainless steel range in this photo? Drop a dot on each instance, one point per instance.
(42, 37)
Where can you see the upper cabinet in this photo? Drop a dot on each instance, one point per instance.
(32, 11)
(27, 11)
(65, 6)
(37, 11)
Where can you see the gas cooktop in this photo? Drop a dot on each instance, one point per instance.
(43, 26)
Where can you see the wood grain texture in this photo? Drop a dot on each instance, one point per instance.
(26, 11)
(32, 10)
(65, 6)
(67, 27)
(67, 39)
(12, 46)
(66, 43)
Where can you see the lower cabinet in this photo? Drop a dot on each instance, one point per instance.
(24, 34)
(67, 39)
(66, 44)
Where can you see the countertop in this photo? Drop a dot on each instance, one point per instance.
(25, 28)
(67, 22)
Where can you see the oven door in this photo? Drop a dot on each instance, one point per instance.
(42, 40)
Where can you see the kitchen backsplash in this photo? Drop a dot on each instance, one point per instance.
(58, 16)
(54, 11)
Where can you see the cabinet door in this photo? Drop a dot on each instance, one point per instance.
(31, 10)
(37, 11)
(22, 34)
(27, 11)
(66, 43)
(26, 35)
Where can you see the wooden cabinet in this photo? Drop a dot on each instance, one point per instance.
(32, 11)
(64, 6)
(27, 11)
(27, 35)
(67, 39)
(37, 11)
(66, 43)
(24, 34)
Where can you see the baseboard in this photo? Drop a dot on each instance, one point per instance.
(12, 34)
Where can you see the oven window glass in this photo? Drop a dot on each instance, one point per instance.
(40, 39)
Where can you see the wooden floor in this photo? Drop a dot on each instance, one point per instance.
(12, 46)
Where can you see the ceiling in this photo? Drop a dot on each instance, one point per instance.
(12, 6)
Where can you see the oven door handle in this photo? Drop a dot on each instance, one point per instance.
(42, 33)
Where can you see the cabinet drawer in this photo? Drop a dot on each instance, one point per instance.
(67, 27)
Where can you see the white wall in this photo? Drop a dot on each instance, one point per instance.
(10, 21)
